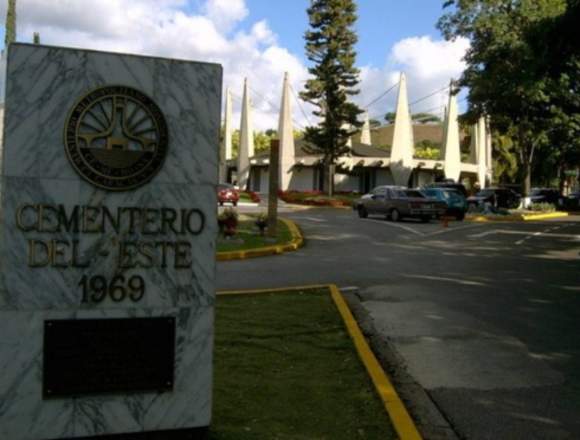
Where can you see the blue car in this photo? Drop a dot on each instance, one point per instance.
(455, 201)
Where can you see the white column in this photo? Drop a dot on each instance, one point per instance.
(403, 143)
(452, 151)
(246, 148)
(286, 136)
(481, 143)
(365, 134)
(227, 141)
(488, 151)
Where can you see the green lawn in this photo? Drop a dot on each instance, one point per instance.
(248, 237)
(285, 368)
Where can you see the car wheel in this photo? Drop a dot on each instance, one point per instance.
(460, 216)
(395, 215)
(362, 212)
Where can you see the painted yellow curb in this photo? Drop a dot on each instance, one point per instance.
(296, 242)
(402, 421)
(272, 290)
(556, 214)
(515, 217)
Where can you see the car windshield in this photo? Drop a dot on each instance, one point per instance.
(413, 193)
(451, 194)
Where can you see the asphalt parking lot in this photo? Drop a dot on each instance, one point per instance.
(484, 317)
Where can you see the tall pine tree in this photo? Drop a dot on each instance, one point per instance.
(330, 46)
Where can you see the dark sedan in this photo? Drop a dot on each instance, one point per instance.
(546, 195)
(497, 197)
(396, 203)
(572, 201)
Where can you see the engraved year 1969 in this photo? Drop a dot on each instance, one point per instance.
(96, 288)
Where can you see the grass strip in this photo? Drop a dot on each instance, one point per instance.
(285, 368)
(248, 237)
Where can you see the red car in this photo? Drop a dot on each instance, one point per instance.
(227, 194)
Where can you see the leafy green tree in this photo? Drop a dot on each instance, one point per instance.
(374, 123)
(390, 117)
(330, 47)
(505, 158)
(262, 140)
(556, 41)
(427, 149)
(506, 76)
(421, 118)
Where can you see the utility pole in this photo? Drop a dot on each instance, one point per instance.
(273, 169)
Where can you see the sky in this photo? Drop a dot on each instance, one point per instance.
(260, 40)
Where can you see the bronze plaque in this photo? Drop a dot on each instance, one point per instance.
(95, 356)
(116, 137)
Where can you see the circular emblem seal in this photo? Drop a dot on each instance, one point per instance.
(116, 138)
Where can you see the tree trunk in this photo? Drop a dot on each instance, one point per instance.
(561, 178)
(330, 189)
(526, 182)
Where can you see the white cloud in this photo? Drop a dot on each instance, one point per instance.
(225, 13)
(428, 64)
(172, 28)
(213, 30)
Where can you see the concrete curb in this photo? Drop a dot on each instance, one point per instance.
(400, 418)
(515, 217)
(296, 242)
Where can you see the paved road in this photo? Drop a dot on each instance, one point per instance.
(486, 317)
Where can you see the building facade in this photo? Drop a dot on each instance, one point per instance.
(384, 156)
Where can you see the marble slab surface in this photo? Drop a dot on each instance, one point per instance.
(24, 415)
(166, 287)
(43, 83)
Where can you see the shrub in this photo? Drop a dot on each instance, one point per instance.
(542, 207)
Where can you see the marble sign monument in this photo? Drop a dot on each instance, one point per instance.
(107, 251)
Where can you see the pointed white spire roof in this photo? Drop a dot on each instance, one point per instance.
(246, 149)
(286, 136)
(488, 150)
(403, 144)
(228, 154)
(365, 134)
(481, 152)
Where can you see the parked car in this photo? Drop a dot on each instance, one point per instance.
(498, 197)
(227, 194)
(397, 202)
(449, 184)
(545, 195)
(454, 200)
(572, 201)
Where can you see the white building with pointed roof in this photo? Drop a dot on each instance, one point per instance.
(380, 156)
